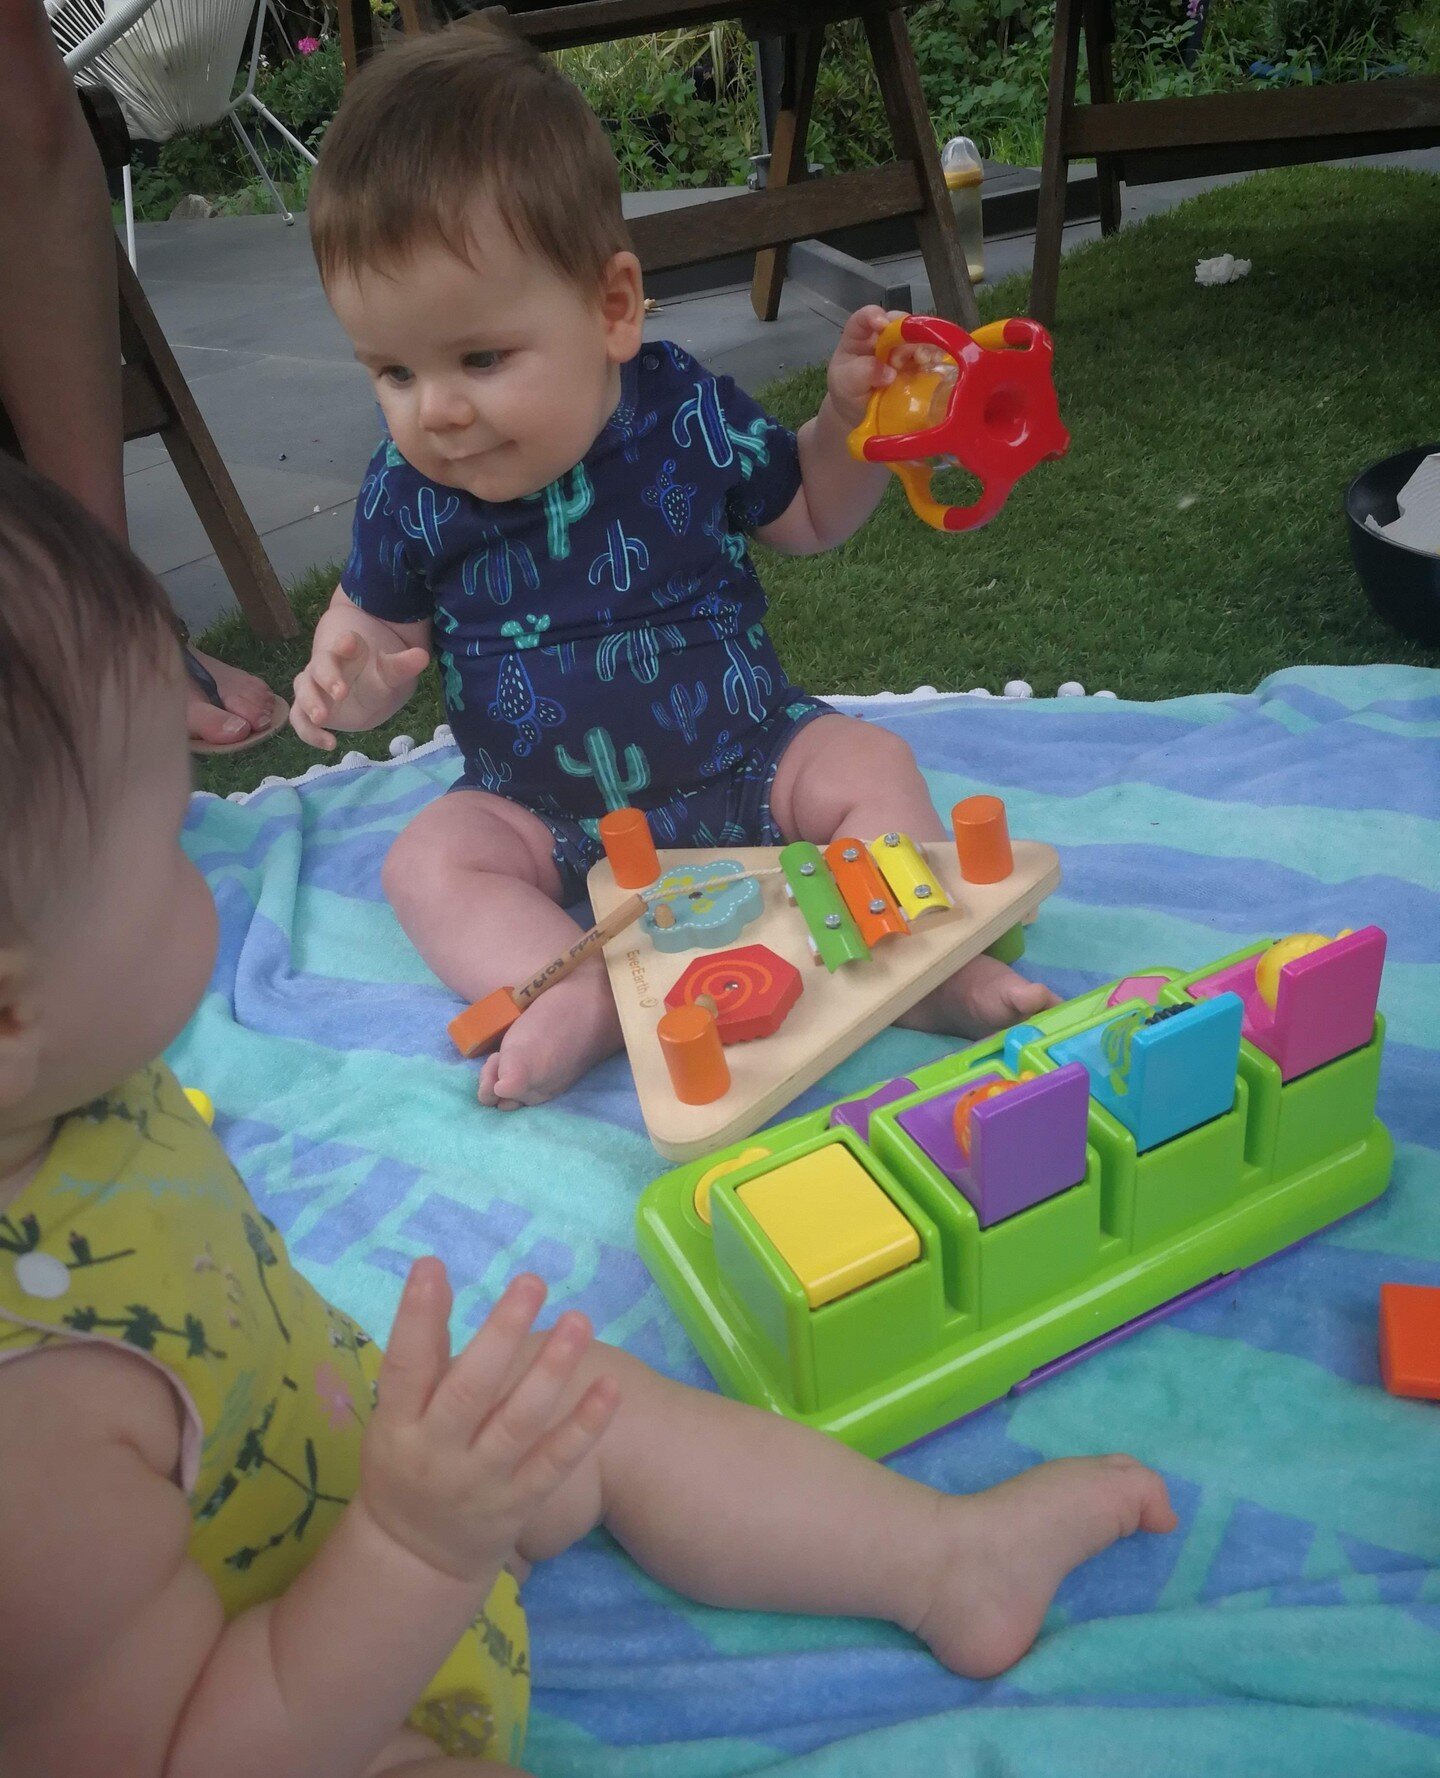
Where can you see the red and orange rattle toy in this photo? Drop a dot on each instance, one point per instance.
(991, 409)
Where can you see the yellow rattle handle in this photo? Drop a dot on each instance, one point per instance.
(904, 407)
(890, 337)
(882, 416)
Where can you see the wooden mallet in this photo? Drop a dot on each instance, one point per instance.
(481, 1026)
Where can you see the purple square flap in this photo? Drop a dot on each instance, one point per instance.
(1025, 1145)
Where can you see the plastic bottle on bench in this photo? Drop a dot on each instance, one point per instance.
(964, 178)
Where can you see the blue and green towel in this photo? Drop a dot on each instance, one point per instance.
(1292, 1624)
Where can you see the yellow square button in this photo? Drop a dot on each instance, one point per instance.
(830, 1222)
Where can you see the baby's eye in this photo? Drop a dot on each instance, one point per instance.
(483, 360)
(397, 374)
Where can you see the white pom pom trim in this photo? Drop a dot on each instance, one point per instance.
(405, 746)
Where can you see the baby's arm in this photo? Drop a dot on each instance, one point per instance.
(114, 1653)
(837, 491)
(362, 669)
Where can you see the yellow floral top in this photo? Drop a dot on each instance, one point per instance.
(137, 1229)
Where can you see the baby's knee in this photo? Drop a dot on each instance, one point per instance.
(406, 867)
(455, 838)
(870, 755)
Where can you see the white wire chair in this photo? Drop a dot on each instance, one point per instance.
(172, 65)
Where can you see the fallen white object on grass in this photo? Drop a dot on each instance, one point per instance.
(1223, 269)
(1418, 525)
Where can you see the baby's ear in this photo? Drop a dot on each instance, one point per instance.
(622, 304)
(19, 1029)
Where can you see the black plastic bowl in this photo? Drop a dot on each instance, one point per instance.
(1403, 584)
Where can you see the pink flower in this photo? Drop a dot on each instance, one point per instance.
(308, 45)
(334, 1396)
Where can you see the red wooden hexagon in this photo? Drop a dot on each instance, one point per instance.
(753, 989)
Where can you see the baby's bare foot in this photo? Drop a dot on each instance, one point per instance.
(564, 1033)
(1003, 1553)
(985, 996)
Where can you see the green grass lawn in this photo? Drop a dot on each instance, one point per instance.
(1193, 538)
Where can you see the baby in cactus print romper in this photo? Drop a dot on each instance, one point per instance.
(561, 516)
(601, 641)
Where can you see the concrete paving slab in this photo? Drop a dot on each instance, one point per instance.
(161, 513)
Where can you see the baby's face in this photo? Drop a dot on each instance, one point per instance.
(497, 377)
(124, 951)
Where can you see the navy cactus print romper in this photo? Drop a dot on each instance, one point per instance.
(602, 643)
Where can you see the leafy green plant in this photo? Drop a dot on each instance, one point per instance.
(680, 107)
(304, 91)
(1329, 25)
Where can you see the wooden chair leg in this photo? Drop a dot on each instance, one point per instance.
(204, 475)
(1054, 163)
(416, 16)
(357, 34)
(914, 135)
(1099, 34)
(789, 161)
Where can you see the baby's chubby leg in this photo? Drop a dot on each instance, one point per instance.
(473, 882)
(843, 776)
(741, 1508)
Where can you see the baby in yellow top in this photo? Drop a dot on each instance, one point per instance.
(237, 1540)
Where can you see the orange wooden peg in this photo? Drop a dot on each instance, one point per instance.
(625, 835)
(982, 839)
(690, 1043)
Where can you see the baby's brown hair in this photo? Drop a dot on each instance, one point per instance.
(80, 618)
(435, 123)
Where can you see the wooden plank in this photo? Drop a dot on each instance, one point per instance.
(1099, 33)
(789, 162)
(698, 232)
(357, 34)
(417, 16)
(141, 408)
(1356, 108)
(600, 21)
(200, 466)
(1249, 157)
(914, 136)
(1054, 162)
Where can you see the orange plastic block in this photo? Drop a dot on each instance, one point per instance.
(690, 1043)
(481, 1026)
(872, 907)
(1410, 1339)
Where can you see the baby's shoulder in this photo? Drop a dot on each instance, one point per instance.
(104, 1623)
(666, 371)
(74, 1395)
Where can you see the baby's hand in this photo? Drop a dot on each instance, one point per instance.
(855, 371)
(459, 1453)
(351, 683)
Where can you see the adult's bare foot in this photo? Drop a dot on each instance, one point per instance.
(249, 705)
